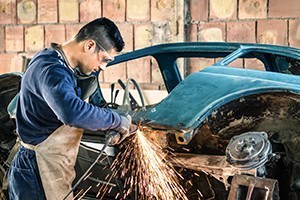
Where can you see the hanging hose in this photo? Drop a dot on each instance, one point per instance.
(127, 96)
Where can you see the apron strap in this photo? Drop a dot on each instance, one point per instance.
(8, 162)
(28, 146)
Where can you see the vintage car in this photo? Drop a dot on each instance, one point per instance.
(232, 121)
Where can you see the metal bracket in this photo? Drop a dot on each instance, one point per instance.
(245, 187)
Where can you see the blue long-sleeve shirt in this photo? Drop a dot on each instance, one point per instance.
(49, 97)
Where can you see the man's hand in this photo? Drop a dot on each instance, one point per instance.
(125, 125)
(125, 130)
(112, 138)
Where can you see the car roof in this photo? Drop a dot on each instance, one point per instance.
(219, 48)
(167, 54)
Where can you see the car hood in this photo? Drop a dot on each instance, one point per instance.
(199, 94)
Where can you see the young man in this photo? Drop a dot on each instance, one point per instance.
(51, 115)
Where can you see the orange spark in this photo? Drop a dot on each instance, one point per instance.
(142, 164)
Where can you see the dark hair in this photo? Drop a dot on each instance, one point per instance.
(104, 31)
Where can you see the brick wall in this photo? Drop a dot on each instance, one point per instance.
(254, 21)
(27, 26)
(251, 21)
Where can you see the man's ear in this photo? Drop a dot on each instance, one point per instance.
(89, 46)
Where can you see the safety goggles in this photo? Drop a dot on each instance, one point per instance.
(108, 58)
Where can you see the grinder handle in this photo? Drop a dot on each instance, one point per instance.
(113, 137)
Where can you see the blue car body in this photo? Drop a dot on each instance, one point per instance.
(204, 113)
(202, 92)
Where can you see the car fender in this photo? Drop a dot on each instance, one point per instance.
(202, 92)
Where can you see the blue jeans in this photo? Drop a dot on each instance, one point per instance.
(24, 182)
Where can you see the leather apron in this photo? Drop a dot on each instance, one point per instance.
(56, 158)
